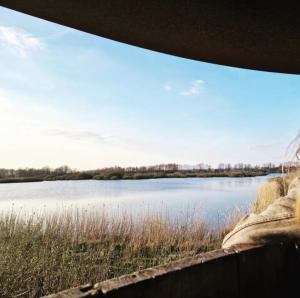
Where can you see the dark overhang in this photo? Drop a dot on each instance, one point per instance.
(262, 35)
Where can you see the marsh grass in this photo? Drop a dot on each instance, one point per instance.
(267, 194)
(43, 254)
(272, 190)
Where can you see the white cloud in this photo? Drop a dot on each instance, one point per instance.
(18, 40)
(194, 89)
(168, 87)
(78, 135)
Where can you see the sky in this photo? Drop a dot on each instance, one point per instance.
(72, 98)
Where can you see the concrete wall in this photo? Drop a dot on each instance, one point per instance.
(268, 271)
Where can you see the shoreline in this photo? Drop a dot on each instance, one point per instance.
(137, 176)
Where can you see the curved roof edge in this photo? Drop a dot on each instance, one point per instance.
(260, 35)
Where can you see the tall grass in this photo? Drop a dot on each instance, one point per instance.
(279, 186)
(273, 189)
(267, 194)
(43, 254)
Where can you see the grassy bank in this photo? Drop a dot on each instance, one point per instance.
(45, 254)
(122, 175)
(21, 180)
(154, 175)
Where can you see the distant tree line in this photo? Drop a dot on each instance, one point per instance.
(169, 170)
(32, 172)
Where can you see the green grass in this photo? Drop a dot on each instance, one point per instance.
(46, 254)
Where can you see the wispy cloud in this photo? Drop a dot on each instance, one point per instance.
(78, 135)
(18, 40)
(194, 89)
(168, 87)
(266, 146)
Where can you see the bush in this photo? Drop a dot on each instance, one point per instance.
(114, 175)
(84, 176)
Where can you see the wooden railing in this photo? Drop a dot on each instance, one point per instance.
(266, 271)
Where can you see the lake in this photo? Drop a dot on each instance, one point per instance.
(212, 198)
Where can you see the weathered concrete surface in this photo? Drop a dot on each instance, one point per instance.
(267, 271)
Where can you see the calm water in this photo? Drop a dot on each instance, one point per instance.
(209, 197)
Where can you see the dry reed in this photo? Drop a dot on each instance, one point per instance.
(41, 254)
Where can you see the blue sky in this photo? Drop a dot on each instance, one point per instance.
(68, 97)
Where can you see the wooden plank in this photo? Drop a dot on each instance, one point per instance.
(212, 274)
(266, 271)
(192, 277)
